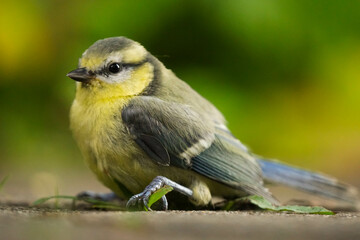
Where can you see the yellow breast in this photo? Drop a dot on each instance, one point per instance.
(91, 126)
(95, 120)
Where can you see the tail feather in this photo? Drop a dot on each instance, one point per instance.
(319, 184)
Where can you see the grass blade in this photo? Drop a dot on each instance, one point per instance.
(45, 199)
(3, 181)
(94, 202)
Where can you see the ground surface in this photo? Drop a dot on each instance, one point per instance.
(18, 221)
(31, 223)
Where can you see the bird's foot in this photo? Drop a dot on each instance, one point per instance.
(105, 197)
(157, 183)
(143, 197)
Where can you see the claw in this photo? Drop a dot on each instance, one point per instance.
(157, 183)
(145, 202)
(132, 201)
(165, 203)
(106, 197)
(141, 198)
(86, 194)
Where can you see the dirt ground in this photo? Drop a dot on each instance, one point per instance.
(35, 223)
(18, 221)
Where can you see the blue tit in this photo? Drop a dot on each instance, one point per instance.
(140, 127)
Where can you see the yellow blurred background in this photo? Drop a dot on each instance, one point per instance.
(286, 74)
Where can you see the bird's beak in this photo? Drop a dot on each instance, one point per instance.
(81, 75)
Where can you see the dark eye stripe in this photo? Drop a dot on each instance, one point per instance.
(105, 70)
(135, 64)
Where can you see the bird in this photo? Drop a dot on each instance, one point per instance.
(139, 128)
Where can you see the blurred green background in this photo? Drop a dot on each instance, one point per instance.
(286, 74)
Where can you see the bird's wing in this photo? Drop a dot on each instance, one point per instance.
(170, 133)
(173, 134)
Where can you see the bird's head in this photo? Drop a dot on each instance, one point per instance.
(114, 67)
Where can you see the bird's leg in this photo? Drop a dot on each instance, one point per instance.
(156, 184)
(106, 197)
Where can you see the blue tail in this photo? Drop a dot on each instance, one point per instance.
(276, 172)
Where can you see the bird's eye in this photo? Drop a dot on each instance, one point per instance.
(115, 68)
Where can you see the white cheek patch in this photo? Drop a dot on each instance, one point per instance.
(121, 76)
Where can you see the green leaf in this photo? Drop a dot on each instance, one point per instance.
(45, 199)
(3, 181)
(260, 202)
(158, 195)
(264, 204)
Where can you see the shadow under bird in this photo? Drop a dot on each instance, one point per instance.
(139, 127)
